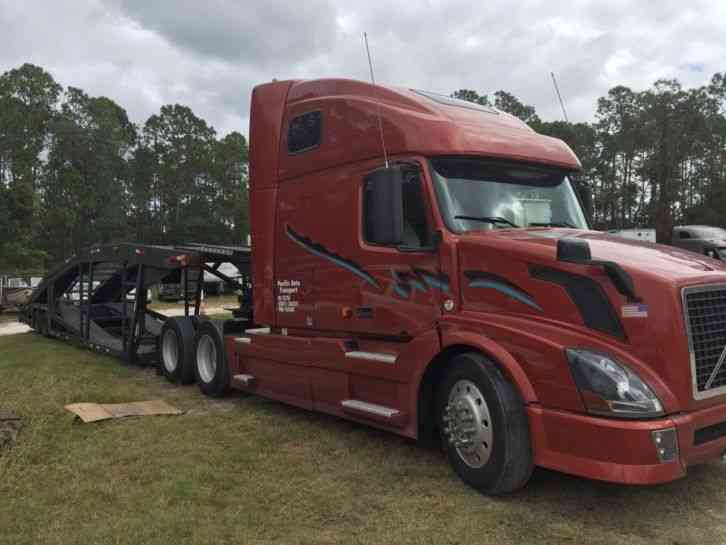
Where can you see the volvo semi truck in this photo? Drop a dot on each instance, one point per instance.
(425, 266)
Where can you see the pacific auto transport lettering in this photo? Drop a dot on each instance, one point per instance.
(287, 291)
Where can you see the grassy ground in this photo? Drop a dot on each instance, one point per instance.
(247, 470)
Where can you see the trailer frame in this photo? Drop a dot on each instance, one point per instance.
(111, 313)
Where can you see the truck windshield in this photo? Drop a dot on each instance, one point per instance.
(475, 194)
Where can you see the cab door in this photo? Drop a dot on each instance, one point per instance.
(407, 288)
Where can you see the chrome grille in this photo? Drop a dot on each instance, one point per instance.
(705, 313)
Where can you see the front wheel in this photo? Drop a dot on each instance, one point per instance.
(484, 426)
(211, 369)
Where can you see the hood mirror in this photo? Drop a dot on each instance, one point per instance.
(573, 250)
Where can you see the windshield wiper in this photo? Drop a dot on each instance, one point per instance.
(487, 219)
(553, 224)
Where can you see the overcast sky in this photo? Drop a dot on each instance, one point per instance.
(208, 54)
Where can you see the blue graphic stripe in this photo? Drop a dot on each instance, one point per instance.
(436, 283)
(506, 290)
(415, 284)
(400, 291)
(321, 252)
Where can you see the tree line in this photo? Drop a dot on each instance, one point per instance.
(75, 171)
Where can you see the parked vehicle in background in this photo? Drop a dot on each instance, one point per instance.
(214, 285)
(645, 235)
(172, 288)
(702, 239)
(170, 291)
(74, 293)
(15, 290)
(448, 291)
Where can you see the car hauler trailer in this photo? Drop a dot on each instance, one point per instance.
(92, 298)
(424, 265)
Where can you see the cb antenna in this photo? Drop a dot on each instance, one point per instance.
(559, 96)
(378, 104)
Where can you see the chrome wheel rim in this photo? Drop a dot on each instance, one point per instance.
(467, 424)
(206, 358)
(170, 351)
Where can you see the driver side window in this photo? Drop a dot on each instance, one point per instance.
(415, 227)
(416, 232)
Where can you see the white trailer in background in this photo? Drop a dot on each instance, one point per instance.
(645, 234)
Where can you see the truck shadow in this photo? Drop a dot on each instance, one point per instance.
(544, 485)
(687, 511)
(552, 504)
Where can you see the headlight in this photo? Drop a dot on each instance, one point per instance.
(609, 387)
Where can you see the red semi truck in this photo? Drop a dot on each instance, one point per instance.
(452, 290)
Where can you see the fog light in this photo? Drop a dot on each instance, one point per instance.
(666, 444)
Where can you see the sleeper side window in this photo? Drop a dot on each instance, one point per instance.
(305, 132)
(684, 234)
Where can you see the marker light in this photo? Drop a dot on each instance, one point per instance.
(608, 387)
(182, 260)
(666, 444)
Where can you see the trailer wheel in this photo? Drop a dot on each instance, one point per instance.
(177, 350)
(211, 369)
(484, 426)
(40, 323)
(43, 324)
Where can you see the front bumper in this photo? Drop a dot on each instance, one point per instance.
(623, 451)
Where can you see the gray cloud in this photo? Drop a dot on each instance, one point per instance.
(273, 31)
(209, 55)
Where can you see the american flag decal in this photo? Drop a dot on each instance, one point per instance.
(638, 310)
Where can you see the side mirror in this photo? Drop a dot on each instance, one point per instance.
(383, 206)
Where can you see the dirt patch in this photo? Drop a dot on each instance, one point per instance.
(13, 328)
(10, 425)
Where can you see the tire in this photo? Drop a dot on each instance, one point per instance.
(211, 368)
(176, 347)
(43, 325)
(495, 454)
(40, 323)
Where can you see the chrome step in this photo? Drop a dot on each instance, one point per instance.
(258, 331)
(242, 340)
(244, 380)
(370, 408)
(372, 356)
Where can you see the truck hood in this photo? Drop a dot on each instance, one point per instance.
(640, 258)
(653, 331)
